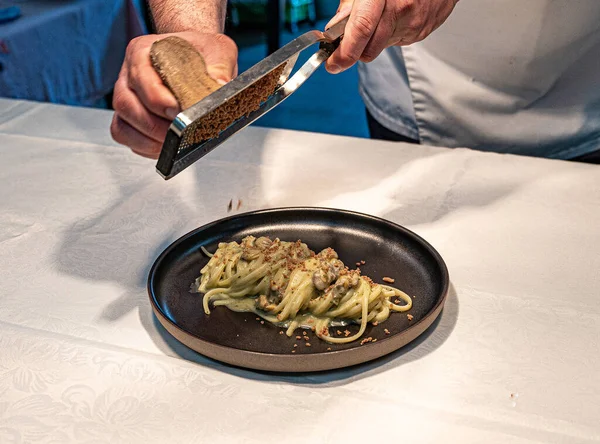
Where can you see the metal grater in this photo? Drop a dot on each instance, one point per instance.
(184, 145)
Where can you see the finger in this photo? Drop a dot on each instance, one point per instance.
(220, 72)
(342, 11)
(125, 134)
(382, 37)
(220, 55)
(129, 108)
(363, 21)
(151, 91)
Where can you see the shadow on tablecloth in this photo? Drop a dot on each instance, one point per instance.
(119, 243)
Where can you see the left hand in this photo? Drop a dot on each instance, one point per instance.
(377, 24)
(144, 106)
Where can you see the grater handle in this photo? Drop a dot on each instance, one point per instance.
(333, 36)
(336, 30)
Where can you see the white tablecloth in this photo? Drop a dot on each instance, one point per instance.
(515, 357)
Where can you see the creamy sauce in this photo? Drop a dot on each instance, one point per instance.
(307, 321)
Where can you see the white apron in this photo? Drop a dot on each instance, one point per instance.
(517, 76)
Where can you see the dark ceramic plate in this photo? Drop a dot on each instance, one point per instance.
(239, 339)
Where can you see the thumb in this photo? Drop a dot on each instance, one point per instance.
(343, 11)
(222, 73)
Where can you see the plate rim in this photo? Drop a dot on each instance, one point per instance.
(303, 362)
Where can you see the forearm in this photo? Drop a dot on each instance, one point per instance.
(188, 15)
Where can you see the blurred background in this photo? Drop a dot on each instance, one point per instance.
(70, 52)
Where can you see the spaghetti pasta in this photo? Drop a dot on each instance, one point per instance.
(289, 285)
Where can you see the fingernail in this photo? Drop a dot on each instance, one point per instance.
(334, 69)
(171, 113)
(221, 82)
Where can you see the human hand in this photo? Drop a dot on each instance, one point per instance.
(144, 106)
(377, 24)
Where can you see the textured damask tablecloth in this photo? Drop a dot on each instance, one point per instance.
(515, 357)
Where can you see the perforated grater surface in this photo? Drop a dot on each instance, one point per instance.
(243, 100)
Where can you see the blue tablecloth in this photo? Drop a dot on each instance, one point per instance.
(65, 51)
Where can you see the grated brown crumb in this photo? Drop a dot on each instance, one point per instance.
(389, 280)
(410, 317)
(347, 333)
(238, 106)
(306, 338)
(375, 323)
(363, 262)
(293, 351)
(307, 344)
(258, 319)
(295, 345)
(281, 332)
(298, 337)
(386, 331)
(328, 349)
(304, 333)
(262, 322)
(338, 332)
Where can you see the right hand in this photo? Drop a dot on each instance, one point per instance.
(374, 25)
(144, 106)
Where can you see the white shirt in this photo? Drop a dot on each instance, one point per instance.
(500, 75)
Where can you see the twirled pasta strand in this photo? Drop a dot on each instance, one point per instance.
(279, 281)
